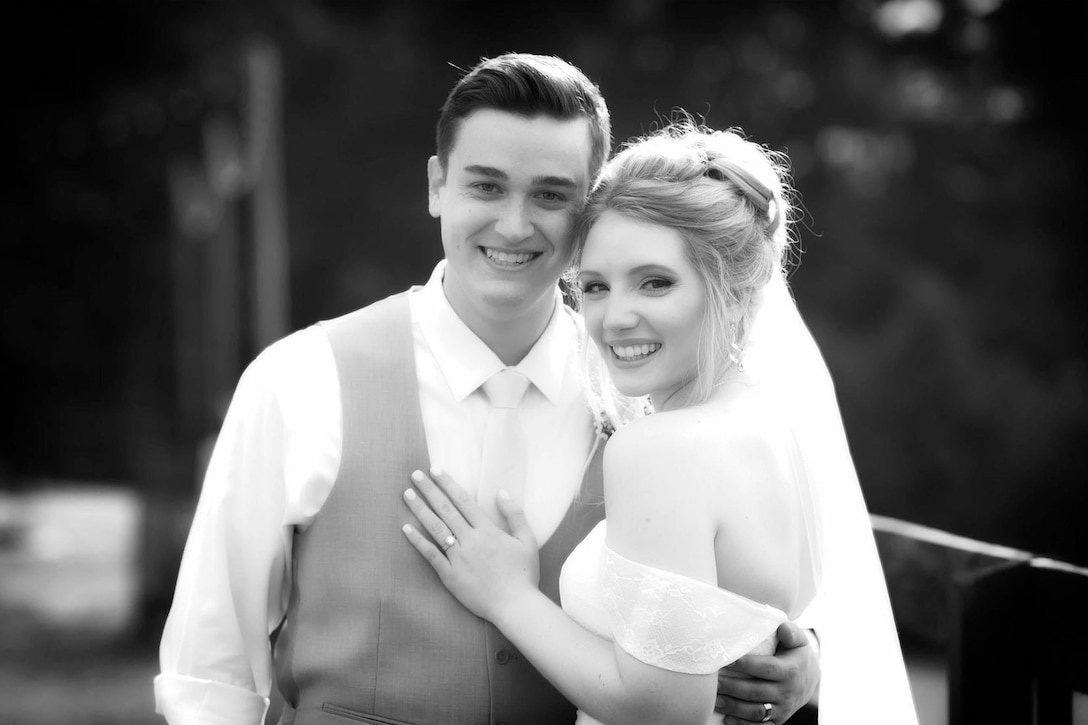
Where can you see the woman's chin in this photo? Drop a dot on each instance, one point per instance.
(630, 388)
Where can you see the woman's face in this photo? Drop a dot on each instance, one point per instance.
(644, 305)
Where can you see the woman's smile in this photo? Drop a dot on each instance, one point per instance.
(628, 353)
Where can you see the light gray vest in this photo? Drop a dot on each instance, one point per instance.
(371, 635)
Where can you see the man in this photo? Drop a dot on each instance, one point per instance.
(297, 533)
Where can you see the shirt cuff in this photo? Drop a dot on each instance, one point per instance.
(191, 701)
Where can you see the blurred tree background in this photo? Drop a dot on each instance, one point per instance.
(936, 145)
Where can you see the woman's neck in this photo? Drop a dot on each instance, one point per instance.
(675, 399)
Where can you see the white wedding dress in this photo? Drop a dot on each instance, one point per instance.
(658, 617)
(684, 625)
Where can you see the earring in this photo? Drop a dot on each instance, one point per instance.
(735, 350)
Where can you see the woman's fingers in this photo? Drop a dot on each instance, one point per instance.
(462, 499)
(515, 517)
(436, 527)
(429, 551)
(440, 505)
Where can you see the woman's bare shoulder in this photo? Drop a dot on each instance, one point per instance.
(747, 423)
(712, 458)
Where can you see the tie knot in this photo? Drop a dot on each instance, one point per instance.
(505, 388)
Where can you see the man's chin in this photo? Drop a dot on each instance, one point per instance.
(507, 302)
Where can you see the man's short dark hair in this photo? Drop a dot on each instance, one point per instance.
(528, 85)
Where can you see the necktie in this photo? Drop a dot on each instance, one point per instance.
(502, 462)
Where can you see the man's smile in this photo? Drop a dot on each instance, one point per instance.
(508, 260)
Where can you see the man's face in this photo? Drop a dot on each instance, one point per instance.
(507, 201)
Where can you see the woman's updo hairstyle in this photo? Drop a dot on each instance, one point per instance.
(728, 198)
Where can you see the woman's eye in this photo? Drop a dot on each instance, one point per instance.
(593, 288)
(657, 284)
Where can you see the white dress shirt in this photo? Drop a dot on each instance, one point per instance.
(277, 457)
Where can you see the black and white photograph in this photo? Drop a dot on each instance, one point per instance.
(637, 362)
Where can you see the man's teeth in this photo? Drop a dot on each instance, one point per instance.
(507, 257)
(635, 352)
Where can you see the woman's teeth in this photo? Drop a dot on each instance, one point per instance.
(635, 352)
(507, 257)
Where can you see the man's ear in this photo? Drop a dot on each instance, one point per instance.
(436, 180)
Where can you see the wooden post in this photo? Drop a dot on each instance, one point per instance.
(1017, 652)
(263, 121)
(989, 679)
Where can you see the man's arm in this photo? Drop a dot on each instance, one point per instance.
(214, 656)
(788, 680)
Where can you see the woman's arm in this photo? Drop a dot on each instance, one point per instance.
(717, 500)
(495, 575)
(597, 675)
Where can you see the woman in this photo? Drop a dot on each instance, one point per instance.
(713, 534)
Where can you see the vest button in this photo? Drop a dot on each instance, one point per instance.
(502, 657)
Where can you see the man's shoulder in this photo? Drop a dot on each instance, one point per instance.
(303, 351)
(301, 354)
(381, 332)
(393, 309)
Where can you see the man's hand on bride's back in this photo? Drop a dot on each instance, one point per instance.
(787, 680)
(487, 569)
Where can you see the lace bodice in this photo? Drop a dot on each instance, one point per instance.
(661, 618)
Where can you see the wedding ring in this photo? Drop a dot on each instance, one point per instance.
(448, 542)
(768, 708)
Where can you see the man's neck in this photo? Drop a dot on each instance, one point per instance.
(511, 340)
(510, 337)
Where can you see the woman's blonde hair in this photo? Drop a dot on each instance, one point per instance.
(729, 199)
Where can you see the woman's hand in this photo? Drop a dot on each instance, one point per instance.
(487, 569)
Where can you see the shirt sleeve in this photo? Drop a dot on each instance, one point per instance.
(273, 465)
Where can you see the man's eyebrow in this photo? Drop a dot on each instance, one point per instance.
(492, 173)
(488, 171)
(562, 181)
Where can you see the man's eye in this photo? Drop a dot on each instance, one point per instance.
(486, 187)
(552, 197)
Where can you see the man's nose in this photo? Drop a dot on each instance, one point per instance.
(515, 221)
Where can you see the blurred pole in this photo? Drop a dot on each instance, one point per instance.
(195, 213)
(164, 444)
(240, 160)
(221, 303)
(263, 122)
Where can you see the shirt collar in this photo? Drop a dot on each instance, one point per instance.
(466, 362)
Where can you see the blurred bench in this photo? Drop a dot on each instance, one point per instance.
(1006, 623)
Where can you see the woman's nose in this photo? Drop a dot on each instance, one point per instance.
(619, 314)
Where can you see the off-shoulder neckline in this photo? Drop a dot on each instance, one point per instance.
(762, 607)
